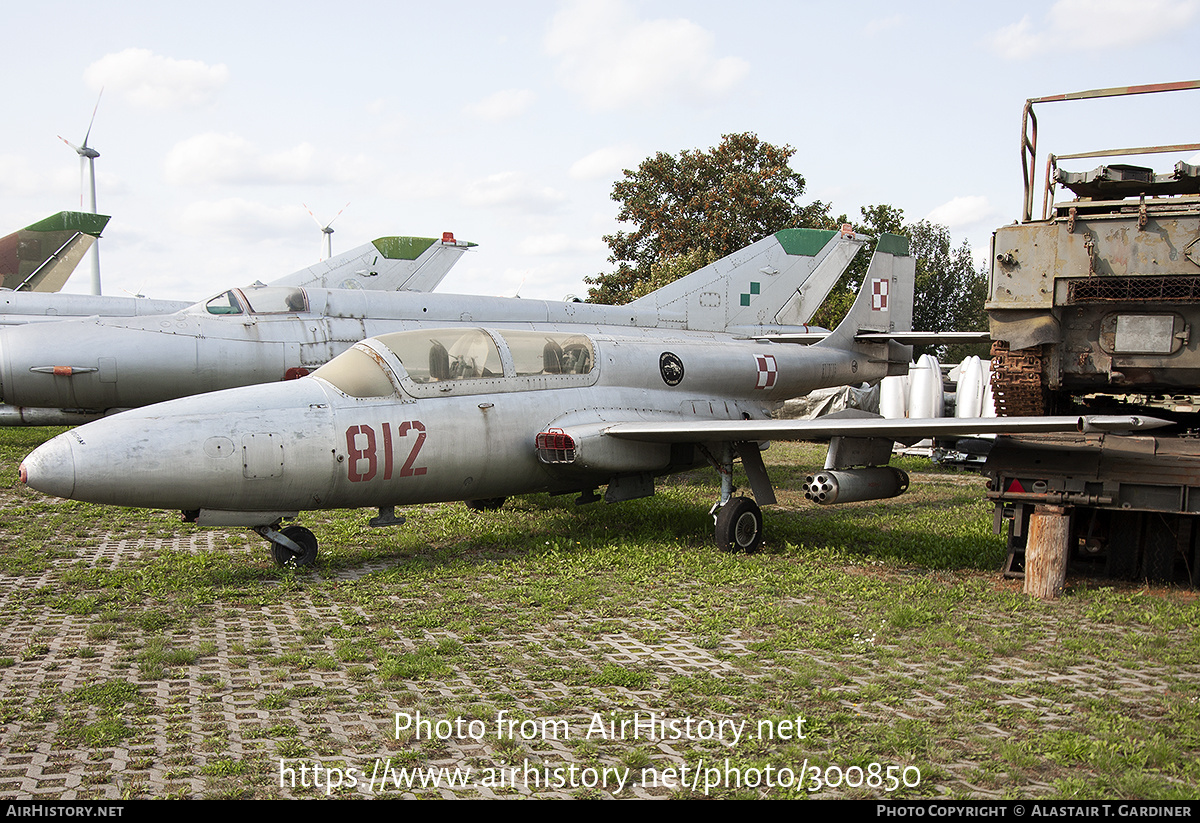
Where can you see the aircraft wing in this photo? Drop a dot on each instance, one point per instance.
(907, 338)
(867, 425)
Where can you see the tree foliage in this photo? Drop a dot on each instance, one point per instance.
(690, 209)
(876, 220)
(713, 202)
(950, 291)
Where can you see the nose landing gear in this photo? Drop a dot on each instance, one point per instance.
(292, 547)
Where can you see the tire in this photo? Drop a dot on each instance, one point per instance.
(1124, 544)
(1158, 559)
(302, 537)
(739, 526)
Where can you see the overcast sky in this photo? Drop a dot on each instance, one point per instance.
(507, 123)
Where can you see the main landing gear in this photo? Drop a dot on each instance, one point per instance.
(738, 520)
(739, 526)
(292, 547)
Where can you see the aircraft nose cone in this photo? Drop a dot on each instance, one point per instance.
(50, 468)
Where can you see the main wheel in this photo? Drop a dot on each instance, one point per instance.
(302, 537)
(739, 525)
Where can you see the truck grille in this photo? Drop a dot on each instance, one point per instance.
(1135, 289)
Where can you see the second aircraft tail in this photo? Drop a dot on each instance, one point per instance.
(385, 264)
(773, 284)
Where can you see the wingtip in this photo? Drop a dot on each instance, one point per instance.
(1119, 423)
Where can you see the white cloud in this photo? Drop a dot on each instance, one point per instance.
(880, 25)
(511, 189)
(544, 245)
(503, 105)
(153, 81)
(1016, 41)
(962, 212)
(238, 218)
(614, 60)
(1094, 25)
(17, 179)
(607, 162)
(211, 158)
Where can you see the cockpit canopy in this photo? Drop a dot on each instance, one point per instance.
(436, 360)
(259, 300)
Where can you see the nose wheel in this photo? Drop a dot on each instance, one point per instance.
(739, 526)
(292, 547)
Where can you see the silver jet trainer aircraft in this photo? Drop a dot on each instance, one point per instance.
(479, 413)
(65, 372)
(258, 335)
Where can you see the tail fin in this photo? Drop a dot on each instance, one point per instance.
(778, 281)
(41, 257)
(885, 301)
(386, 264)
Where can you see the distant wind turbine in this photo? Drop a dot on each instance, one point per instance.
(87, 167)
(328, 232)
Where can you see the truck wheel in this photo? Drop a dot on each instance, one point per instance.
(1124, 544)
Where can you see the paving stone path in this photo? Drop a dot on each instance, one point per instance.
(257, 715)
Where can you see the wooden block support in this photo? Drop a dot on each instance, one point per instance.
(1047, 551)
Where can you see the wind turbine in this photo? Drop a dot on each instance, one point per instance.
(87, 165)
(328, 232)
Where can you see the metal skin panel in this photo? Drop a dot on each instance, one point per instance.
(385, 264)
(708, 394)
(1029, 257)
(343, 452)
(42, 256)
(17, 308)
(1025, 265)
(364, 269)
(231, 350)
(809, 297)
(162, 458)
(339, 451)
(750, 287)
(52, 274)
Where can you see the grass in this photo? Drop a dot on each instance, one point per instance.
(878, 630)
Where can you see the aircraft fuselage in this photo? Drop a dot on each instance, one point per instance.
(397, 436)
(115, 363)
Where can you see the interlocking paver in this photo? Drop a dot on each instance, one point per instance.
(257, 703)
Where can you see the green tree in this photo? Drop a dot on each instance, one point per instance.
(876, 220)
(709, 202)
(950, 291)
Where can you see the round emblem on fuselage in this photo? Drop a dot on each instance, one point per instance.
(671, 368)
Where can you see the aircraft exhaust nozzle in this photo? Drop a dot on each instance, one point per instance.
(852, 485)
